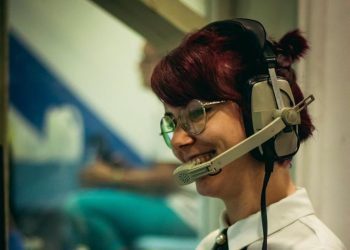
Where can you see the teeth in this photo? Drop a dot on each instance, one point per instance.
(202, 158)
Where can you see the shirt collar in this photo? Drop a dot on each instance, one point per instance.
(280, 215)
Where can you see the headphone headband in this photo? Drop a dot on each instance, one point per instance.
(255, 28)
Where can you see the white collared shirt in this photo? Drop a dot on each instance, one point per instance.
(292, 224)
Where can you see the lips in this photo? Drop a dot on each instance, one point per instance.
(198, 159)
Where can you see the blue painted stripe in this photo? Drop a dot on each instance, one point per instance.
(34, 88)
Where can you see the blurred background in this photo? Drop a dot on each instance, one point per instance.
(74, 77)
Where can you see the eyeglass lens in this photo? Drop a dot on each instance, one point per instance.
(192, 119)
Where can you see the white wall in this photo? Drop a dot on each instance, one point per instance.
(323, 164)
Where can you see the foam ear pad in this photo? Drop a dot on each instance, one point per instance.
(263, 108)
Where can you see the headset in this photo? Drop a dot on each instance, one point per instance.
(272, 129)
(268, 93)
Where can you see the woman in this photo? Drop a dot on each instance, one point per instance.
(206, 87)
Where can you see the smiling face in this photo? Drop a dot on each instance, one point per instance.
(224, 129)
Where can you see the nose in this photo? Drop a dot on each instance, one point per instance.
(181, 138)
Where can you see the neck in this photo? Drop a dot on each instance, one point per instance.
(248, 201)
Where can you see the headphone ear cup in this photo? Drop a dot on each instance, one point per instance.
(286, 144)
(263, 107)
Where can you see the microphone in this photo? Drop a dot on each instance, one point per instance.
(288, 116)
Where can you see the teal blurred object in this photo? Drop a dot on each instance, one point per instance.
(165, 243)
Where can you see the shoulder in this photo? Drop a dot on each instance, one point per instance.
(306, 233)
(322, 235)
(208, 241)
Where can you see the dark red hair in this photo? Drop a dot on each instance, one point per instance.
(216, 62)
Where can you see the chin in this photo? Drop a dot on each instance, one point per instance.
(206, 186)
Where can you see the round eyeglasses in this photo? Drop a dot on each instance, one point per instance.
(192, 118)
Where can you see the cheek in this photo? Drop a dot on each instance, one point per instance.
(177, 155)
(228, 132)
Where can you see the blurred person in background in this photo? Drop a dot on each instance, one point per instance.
(121, 203)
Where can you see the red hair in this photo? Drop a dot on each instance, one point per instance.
(216, 62)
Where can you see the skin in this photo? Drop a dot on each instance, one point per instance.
(155, 180)
(238, 184)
